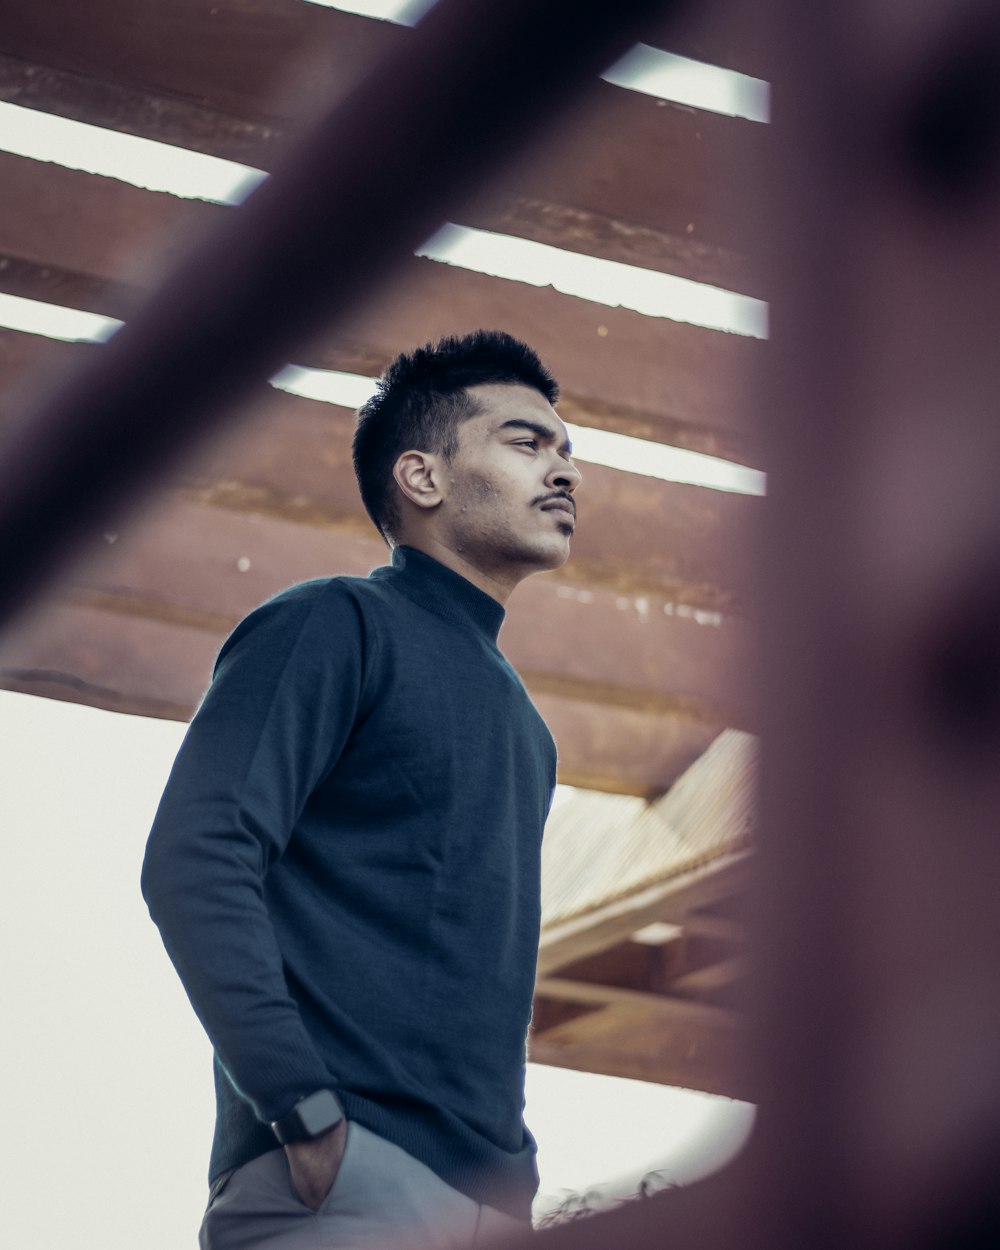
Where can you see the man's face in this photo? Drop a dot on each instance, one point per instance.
(509, 506)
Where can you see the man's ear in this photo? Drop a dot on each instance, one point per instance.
(418, 475)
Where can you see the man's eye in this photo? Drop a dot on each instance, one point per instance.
(527, 442)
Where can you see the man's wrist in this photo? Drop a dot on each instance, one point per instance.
(311, 1117)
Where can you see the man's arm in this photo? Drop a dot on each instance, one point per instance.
(274, 721)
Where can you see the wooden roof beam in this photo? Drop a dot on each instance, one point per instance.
(667, 1009)
(102, 245)
(672, 550)
(567, 640)
(117, 654)
(669, 900)
(646, 1037)
(233, 83)
(306, 247)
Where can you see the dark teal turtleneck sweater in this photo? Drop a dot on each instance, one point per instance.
(344, 869)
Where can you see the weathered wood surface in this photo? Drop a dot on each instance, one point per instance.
(208, 564)
(106, 652)
(621, 750)
(104, 245)
(719, 32)
(627, 177)
(634, 690)
(615, 995)
(206, 567)
(677, 550)
(675, 900)
(647, 1037)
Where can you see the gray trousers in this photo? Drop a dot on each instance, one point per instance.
(382, 1199)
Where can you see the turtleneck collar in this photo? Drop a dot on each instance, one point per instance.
(441, 590)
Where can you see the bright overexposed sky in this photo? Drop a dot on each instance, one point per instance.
(108, 1105)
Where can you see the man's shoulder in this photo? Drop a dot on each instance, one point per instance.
(319, 592)
(327, 607)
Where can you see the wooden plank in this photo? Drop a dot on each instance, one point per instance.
(723, 32)
(712, 977)
(618, 750)
(716, 927)
(647, 1038)
(568, 641)
(148, 659)
(131, 664)
(96, 227)
(669, 900)
(644, 376)
(253, 60)
(292, 459)
(631, 965)
(232, 81)
(668, 1009)
(259, 144)
(30, 361)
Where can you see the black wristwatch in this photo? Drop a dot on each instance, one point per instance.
(311, 1117)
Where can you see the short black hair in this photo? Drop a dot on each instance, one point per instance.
(422, 399)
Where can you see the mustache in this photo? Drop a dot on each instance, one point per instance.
(560, 496)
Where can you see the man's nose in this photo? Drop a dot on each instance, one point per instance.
(564, 475)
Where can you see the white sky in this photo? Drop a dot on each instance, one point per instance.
(108, 1105)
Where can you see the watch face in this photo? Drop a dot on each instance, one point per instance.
(319, 1113)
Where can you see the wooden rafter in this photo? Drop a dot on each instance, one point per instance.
(667, 900)
(104, 245)
(233, 83)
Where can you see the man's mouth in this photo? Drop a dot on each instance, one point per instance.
(560, 505)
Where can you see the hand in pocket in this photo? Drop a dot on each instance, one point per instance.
(314, 1165)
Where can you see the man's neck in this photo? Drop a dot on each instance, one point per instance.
(497, 588)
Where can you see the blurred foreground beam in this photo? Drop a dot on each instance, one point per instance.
(877, 921)
(877, 930)
(371, 182)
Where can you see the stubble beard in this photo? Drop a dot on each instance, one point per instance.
(497, 547)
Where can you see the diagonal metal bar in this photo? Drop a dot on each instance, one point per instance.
(374, 179)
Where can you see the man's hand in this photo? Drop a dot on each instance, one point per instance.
(314, 1164)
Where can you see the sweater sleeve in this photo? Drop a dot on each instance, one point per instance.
(275, 719)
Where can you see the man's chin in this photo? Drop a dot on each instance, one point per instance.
(553, 556)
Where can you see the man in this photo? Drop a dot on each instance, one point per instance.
(345, 863)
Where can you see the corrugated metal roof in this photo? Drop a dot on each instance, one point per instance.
(603, 847)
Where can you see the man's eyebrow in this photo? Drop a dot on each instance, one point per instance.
(536, 427)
